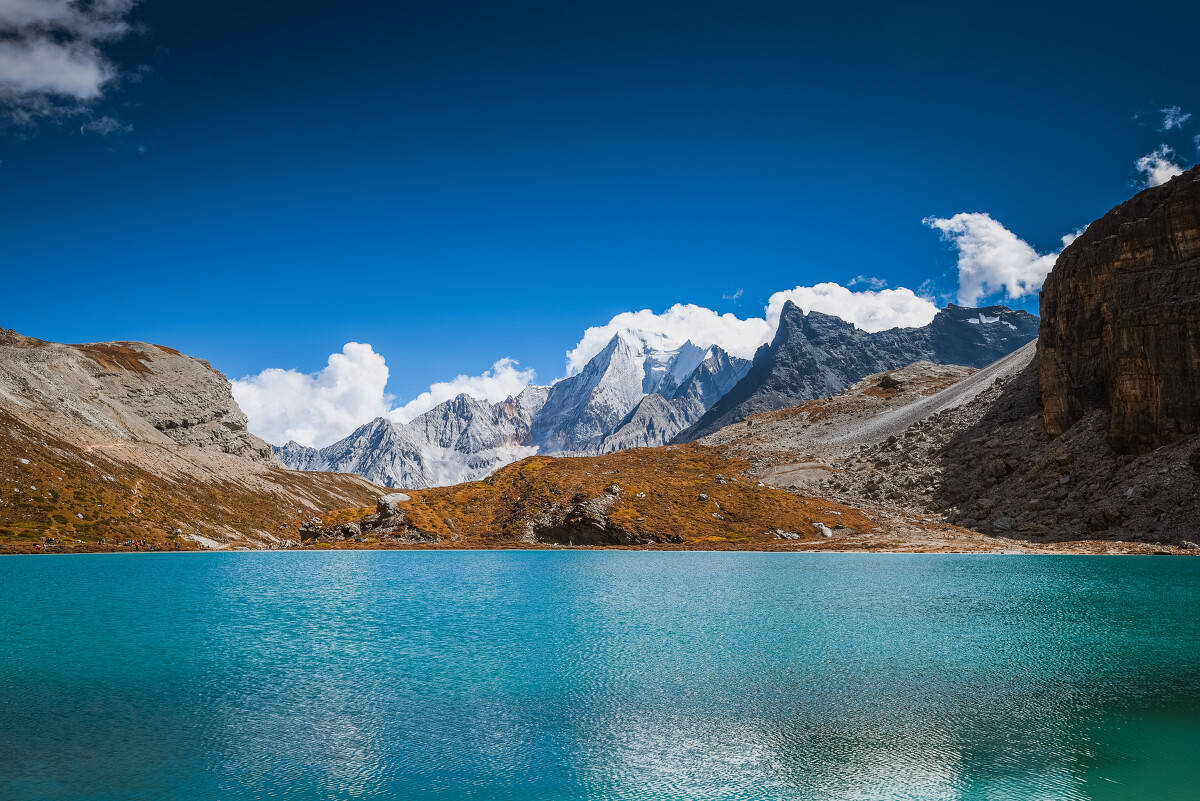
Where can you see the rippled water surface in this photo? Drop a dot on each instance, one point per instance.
(598, 675)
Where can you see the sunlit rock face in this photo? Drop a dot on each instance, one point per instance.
(1121, 321)
(119, 387)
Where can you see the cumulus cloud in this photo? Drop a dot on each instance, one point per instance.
(316, 408)
(992, 259)
(1173, 117)
(1157, 166)
(670, 329)
(503, 380)
(50, 54)
(868, 309)
(319, 408)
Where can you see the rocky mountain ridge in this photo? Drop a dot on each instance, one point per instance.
(1088, 434)
(816, 355)
(122, 388)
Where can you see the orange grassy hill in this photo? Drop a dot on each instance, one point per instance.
(679, 496)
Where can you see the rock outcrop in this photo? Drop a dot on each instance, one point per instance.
(385, 526)
(1097, 436)
(1121, 321)
(115, 386)
(816, 355)
(129, 445)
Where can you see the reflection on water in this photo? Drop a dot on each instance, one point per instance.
(598, 675)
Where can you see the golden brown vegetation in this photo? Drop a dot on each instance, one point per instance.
(659, 495)
(73, 498)
(113, 356)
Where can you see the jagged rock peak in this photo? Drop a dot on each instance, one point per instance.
(815, 355)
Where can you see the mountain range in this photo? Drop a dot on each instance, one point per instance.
(1086, 441)
(630, 395)
(816, 355)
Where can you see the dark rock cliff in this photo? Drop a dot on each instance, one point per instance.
(1121, 321)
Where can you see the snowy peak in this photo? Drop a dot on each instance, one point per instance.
(657, 419)
(713, 377)
(581, 409)
(677, 368)
(462, 439)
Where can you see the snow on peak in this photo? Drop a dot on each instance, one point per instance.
(983, 319)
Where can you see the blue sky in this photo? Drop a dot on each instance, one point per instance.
(456, 182)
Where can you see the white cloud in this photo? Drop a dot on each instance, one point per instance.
(992, 258)
(317, 409)
(104, 126)
(1157, 167)
(870, 280)
(670, 329)
(1173, 117)
(50, 57)
(868, 309)
(320, 408)
(733, 295)
(503, 380)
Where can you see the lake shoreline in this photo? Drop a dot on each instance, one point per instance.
(988, 548)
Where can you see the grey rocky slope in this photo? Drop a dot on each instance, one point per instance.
(121, 387)
(970, 448)
(815, 355)
(989, 465)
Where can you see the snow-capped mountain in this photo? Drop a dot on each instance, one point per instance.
(464, 439)
(660, 416)
(631, 395)
(581, 409)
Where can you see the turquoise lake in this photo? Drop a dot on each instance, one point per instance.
(598, 675)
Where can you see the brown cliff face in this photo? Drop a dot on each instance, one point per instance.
(1121, 321)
